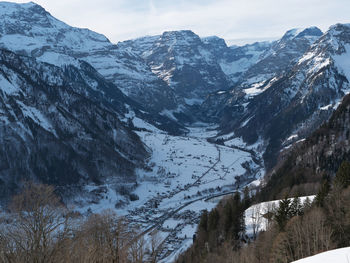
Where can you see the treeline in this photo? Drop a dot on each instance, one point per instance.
(38, 228)
(224, 225)
(295, 231)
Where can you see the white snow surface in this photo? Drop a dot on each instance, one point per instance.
(8, 87)
(342, 61)
(52, 41)
(254, 214)
(341, 255)
(188, 175)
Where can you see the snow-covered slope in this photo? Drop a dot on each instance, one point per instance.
(235, 60)
(295, 102)
(254, 68)
(282, 55)
(182, 60)
(29, 29)
(341, 255)
(255, 221)
(240, 59)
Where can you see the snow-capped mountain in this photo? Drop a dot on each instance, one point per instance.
(297, 101)
(182, 60)
(282, 55)
(29, 29)
(236, 60)
(194, 67)
(55, 128)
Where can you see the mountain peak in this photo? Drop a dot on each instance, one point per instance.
(181, 34)
(310, 31)
(179, 38)
(8, 8)
(302, 32)
(214, 40)
(339, 29)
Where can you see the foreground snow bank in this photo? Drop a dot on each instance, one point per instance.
(341, 255)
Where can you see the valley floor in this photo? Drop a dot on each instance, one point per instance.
(188, 174)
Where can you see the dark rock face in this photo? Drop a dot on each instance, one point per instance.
(54, 132)
(306, 163)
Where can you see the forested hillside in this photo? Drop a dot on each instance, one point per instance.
(319, 165)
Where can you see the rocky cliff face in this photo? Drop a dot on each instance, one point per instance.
(295, 102)
(54, 131)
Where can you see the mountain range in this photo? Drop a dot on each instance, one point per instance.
(68, 95)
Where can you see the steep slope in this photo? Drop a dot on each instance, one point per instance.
(53, 131)
(307, 161)
(296, 102)
(29, 29)
(282, 55)
(268, 62)
(194, 67)
(182, 60)
(236, 60)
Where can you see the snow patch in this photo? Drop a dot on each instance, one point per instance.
(341, 255)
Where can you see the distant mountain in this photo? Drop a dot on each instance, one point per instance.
(236, 60)
(194, 67)
(29, 29)
(296, 100)
(166, 73)
(281, 56)
(268, 62)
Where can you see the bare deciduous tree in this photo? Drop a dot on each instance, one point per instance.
(155, 245)
(256, 217)
(137, 249)
(103, 238)
(39, 228)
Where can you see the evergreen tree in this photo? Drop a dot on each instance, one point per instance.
(227, 217)
(307, 204)
(246, 197)
(213, 219)
(283, 213)
(238, 225)
(342, 177)
(203, 223)
(323, 192)
(296, 208)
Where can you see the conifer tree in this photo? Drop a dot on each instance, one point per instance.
(283, 213)
(342, 177)
(296, 208)
(213, 219)
(323, 192)
(203, 224)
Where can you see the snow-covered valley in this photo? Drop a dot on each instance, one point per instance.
(184, 176)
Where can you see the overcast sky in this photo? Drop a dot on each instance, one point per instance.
(236, 21)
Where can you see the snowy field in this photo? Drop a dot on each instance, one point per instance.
(254, 215)
(341, 255)
(185, 175)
